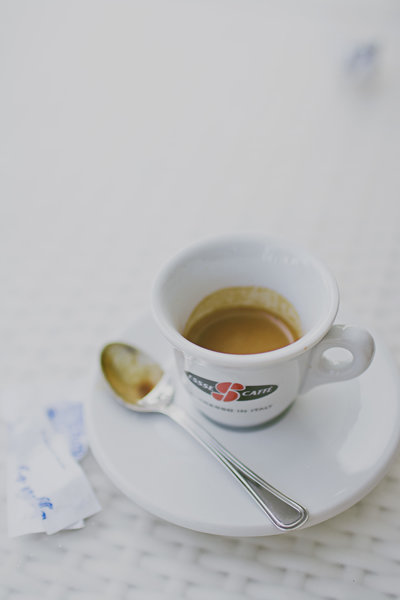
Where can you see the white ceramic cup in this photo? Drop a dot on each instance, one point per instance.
(250, 389)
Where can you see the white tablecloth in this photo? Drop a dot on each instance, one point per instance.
(129, 129)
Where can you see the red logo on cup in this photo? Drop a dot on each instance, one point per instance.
(227, 391)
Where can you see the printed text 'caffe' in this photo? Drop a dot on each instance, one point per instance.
(228, 391)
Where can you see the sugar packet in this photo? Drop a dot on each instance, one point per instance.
(47, 489)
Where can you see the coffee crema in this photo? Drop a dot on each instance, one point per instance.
(243, 320)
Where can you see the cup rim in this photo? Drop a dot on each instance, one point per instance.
(293, 350)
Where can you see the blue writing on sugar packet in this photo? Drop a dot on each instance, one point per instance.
(43, 503)
(46, 488)
(67, 419)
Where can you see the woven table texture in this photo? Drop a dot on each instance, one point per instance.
(129, 129)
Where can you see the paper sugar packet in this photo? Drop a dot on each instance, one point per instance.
(47, 490)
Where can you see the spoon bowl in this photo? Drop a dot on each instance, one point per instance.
(138, 382)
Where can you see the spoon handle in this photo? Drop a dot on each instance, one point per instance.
(285, 513)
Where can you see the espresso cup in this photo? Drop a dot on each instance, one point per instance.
(244, 390)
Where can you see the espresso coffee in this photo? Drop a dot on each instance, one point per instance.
(241, 330)
(243, 320)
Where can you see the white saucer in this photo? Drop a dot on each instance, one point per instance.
(327, 452)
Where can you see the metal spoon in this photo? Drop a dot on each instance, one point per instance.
(141, 385)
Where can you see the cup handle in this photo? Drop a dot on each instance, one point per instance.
(322, 369)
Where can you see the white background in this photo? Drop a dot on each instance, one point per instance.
(129, 129)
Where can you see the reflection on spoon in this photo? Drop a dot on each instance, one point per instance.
(130, 372)
(141, 385)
